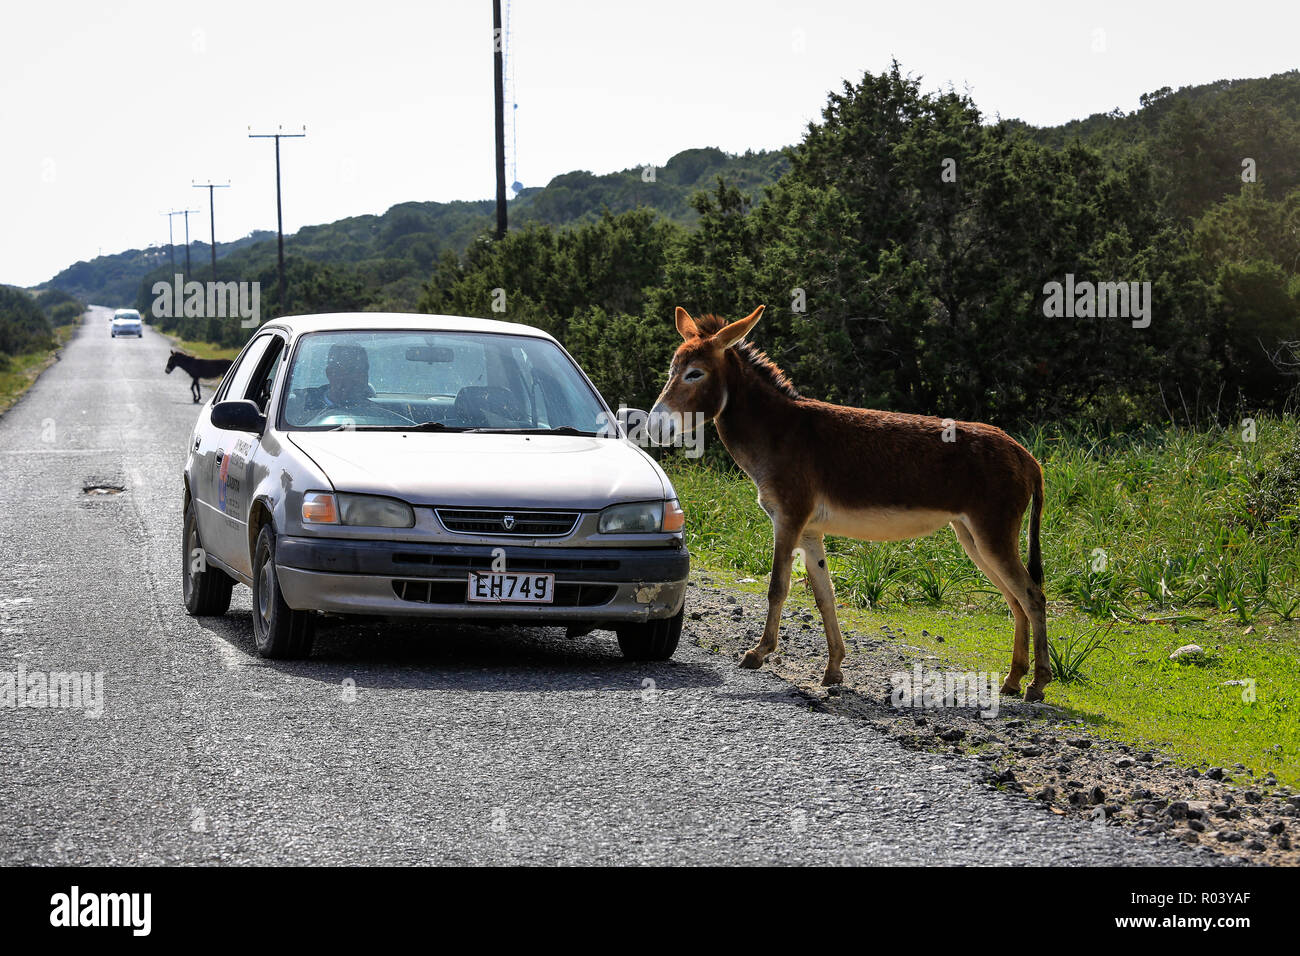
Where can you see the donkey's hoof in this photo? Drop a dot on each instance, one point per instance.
(752, 660)
(832, 678)
(1011, 690)
(1033, 694)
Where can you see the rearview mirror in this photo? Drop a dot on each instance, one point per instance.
(238, 416)
(430, 354)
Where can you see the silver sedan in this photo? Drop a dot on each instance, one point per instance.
(447, 467)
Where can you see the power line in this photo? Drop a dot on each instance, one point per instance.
(212, 220)
(509, 70)
(279, 215)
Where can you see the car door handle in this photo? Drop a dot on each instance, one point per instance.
(198, 441)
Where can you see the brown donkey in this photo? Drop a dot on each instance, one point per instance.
(876, 476)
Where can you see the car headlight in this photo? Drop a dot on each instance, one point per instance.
(642, 517)
(369, 511)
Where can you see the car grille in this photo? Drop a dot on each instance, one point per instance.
(522, 524)
(519, 561)
(454, 592)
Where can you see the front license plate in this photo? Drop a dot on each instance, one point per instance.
(511, 588)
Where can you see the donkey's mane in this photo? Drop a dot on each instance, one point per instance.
(768, 371)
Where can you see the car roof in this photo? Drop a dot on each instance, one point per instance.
(340, 321)
(126, 312)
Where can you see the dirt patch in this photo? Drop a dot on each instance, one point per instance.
(1038, 750)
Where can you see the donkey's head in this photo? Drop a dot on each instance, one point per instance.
(697, 388)
(171, 362)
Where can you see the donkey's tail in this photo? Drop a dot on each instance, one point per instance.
(1035, 518)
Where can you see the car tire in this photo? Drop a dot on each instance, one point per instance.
(280, 632)
(206, 589)
(651, 641)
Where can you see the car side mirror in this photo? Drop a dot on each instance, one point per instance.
(238, 416)
(631, 419)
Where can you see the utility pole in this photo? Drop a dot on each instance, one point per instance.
(279, 214)
(498, 83)
(187, 239)
(171, 245)
(212, 222)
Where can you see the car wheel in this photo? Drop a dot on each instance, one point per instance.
(206, 589)
(651, 641)
(280, 631)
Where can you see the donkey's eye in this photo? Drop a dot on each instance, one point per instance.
(693, 375)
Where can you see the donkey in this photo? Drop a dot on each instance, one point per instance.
(872, 475)
(198, 368)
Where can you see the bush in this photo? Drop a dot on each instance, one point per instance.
(23, 326)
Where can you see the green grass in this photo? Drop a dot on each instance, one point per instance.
(19, 372)
(203, 349)
(1149, 543)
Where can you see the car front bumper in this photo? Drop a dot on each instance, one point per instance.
(431, 580)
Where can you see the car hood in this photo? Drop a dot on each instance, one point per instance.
(485, 470)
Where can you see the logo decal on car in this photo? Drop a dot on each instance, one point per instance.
(221, 482)
(508, 522)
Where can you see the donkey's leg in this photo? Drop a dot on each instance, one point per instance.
(786, 537)
(1020, 650)
(194, 388)
(1001, 548)
(814, 555)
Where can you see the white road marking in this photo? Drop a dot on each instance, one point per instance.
(56, 451)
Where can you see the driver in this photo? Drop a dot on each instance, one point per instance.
(347, 374)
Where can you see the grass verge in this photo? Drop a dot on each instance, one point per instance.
(19, 372)
(202, 349)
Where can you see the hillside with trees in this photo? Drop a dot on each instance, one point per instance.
(390, 255)
(891, 284)
(903, 248)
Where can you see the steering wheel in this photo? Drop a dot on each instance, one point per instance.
(370, 415)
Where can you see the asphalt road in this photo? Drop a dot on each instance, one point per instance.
(406, 744)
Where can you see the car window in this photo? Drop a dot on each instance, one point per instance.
(263, 380)
(458, 379)
(237, 378)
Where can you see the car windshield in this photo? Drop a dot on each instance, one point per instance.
(453, 381)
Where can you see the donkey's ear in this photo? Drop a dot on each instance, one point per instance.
(731, 334)
(686, 325)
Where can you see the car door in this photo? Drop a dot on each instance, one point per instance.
(210, 446)
(240, 458)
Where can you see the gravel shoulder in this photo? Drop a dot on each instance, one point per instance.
(1036, 752)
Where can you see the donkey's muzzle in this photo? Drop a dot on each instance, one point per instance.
(662, 426)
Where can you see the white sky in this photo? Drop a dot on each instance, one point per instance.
(110, 110)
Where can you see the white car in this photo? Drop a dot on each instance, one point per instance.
(126, 322)
(426, 465)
